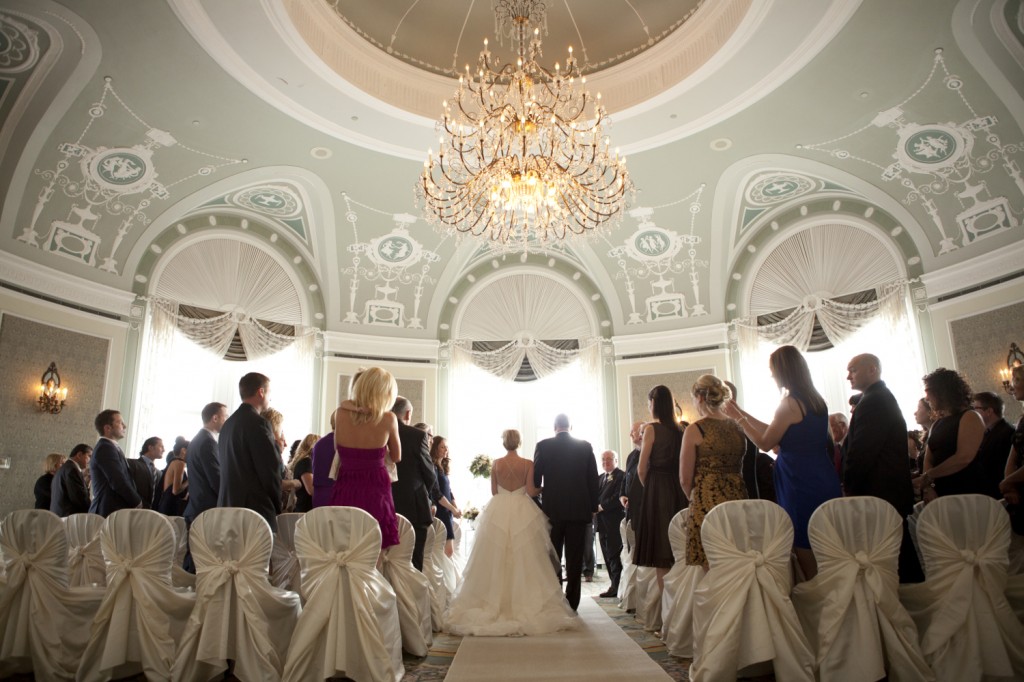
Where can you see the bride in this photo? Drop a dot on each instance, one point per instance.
(509, 585)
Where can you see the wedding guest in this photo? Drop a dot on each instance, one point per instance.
(288, 484)
(1012, 484)
(69, 493)
(609, 515)
(803, 473)
(658, 471)
(757, 465)
(171, 496)
(203, 465)
(924, 418)
(446, 507)
(145, 475)
(951, 464)
(838, 426)
(321, 458)
(51, 463)
(632, 490)
(413, 492)
(711, 461)
(112, 485)
(995, 444)
(301, 469)
(915, 449)
(423, 426)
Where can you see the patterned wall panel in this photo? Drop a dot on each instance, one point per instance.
(26, 434)
(413, 389)
(980, 345)
(678, 382)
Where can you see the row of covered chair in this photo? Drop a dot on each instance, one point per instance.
(347, 618)
(853, 621)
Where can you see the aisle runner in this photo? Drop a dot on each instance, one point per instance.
(599, 650)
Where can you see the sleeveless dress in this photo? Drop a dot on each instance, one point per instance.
(167, 502)
(363, 482)
(509, 587)
(942, 439)
(662, 498)
(718, 477)
(804, 474)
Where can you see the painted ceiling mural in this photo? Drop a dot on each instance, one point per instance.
(928, 150)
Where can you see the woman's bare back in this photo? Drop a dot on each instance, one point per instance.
(366, 436)
(511, 471)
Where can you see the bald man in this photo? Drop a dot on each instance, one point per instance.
(875, 460)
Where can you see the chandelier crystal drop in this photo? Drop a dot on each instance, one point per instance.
(522, 158)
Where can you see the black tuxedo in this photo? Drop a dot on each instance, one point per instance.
(412, 490)
(146, 479)
(68, 494)
(112, 486)
(203, 474)
(250, 470)
(608, 520)
(567, 470)
(875, 463)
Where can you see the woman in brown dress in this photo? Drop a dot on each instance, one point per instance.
(711, 460)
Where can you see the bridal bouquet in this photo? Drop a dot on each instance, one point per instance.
(471, 514)
(480, 467)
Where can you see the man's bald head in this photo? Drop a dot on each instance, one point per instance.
(863, 371)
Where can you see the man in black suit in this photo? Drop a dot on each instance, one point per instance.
(68, 492)
(632, 489)
(250, 468)
(609, 515)
(112, 486)
(416, 478)
(202, 462)
(145, 475)
(875, 460)
(990, 462)
(566, 470)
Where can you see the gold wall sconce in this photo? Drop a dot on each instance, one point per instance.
(52, 395)
(1015, 358)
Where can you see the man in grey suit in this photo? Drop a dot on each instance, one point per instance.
(203, 466)
(250, 469)
(566, 469)
(416, 478)
(112, 486)
(68, 492)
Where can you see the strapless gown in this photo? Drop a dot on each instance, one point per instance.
(363, 482)
(509, 586)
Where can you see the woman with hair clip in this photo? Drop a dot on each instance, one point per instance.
(804, 473)
(658, 470)
(711, 461)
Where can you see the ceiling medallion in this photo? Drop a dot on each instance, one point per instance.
(522, 160)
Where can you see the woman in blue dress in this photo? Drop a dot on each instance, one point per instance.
(804, 473)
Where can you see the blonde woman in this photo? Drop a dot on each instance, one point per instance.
(362, 440)
(288, 484)
(711, 459)
(51, 463)
(301, 469)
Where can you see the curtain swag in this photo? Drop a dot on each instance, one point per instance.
(544, 358)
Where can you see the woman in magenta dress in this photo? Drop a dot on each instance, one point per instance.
(363, 438)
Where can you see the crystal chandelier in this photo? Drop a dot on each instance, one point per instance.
(522, 159)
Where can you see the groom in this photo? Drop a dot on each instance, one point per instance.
(565, 467)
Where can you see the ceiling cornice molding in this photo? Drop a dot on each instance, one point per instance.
(366, 345)
(708, 336)
(983, 268)
(26, 274)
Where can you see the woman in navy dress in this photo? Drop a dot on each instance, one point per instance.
(446, 507)
(804, 473)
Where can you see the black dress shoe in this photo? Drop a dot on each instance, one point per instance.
(609, 593)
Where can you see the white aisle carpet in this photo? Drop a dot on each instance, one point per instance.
(599, 650)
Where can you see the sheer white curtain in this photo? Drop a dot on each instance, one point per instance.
(183, 368)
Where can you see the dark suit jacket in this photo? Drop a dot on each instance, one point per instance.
(203, 474)
(875, 462)
(416, 476)
(250, 470)
(146, 477)
(567, 469)
(632, 488)
(991, 458)
(609, 490)
(112, 486)
(68, 494)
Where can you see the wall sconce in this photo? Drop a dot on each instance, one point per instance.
(51, 396)
(1015, 358)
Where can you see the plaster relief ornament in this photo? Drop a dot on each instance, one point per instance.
(104, 185)
(774, 188)
(391, 261)
(19, 46)
(953, 168)
(654, 253)
(273, 200)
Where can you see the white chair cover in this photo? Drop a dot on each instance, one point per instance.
(627, 580)
(85, 558)
(412, 590)
(284, 565)
(851, 610)
(967, 627)
(677, 598)
(349, 627)
(450, 565)
(179, 576)
(141, 617)
(648, 598)
(43, 624)
(433, 568)
(238, 615)
(742, 614)
(912, 520)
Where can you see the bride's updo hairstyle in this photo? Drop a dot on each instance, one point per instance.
(375, 389)
(711, 390)
(511, 439)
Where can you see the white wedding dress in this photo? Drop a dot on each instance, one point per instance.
(509, 587)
